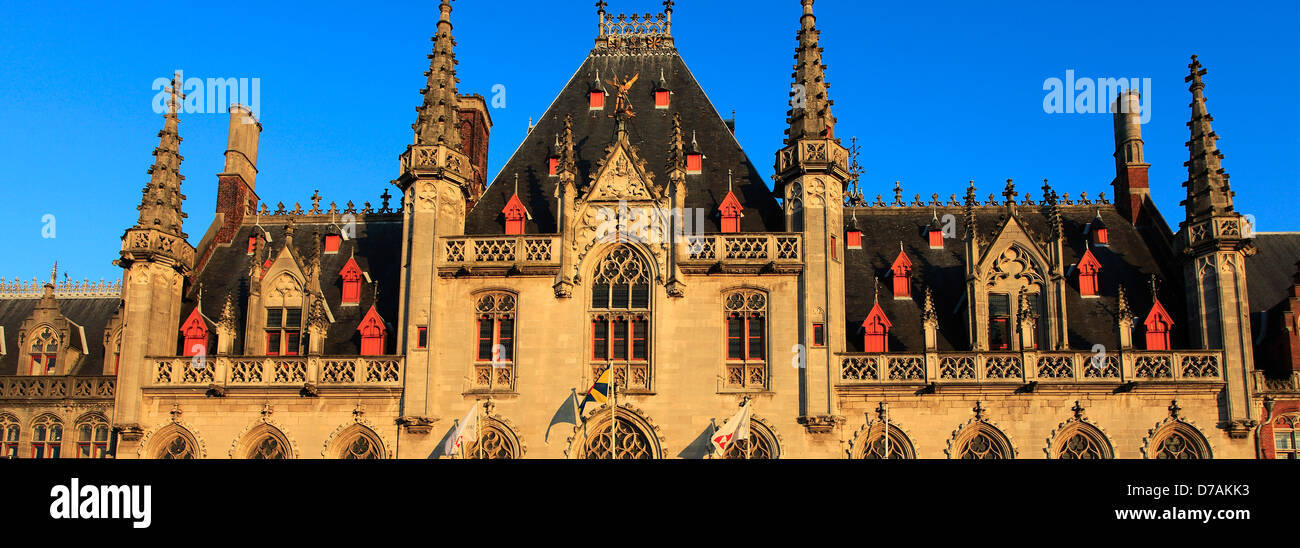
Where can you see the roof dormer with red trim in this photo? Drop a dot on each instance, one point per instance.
(1158, 325)
(876, 330)
(1088, 278)
(902, 274)
(731, 211)
(196, 334)
(515, 215)
(373, 333)
(351, 276)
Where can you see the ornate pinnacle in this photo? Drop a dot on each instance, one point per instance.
(968, 210)
(437, 122)
(1208, 190)
(676, 146)
(567, 162)
(227, 318)
(810, 118)
(928, 313)
(1123, 310)
(160, 206)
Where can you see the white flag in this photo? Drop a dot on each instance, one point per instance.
(464, 430)
(737, 428)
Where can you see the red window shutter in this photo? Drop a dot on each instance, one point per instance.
(853, 240)
(1101, 236)
(421, 337)
(936, 239)
(597, 100)
(876, 331)
(902, 284)
(515, 215)
(819, 334)
(252, 244)
(552, 166)
(195, 333)
(835, 249)
(373, 333)
(1088, 269)
(351, 275)
(661, 98)
(694, 163)
(332, 243)
(730, 210)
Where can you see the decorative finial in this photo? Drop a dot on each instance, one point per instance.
(1078, 410)
(1173, 405)
(728, 181)
(54, 273)
(882, 411)
(979, 410)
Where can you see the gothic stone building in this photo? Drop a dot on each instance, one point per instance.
(630, 231)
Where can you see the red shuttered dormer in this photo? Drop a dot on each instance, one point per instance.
(373, 333)
(1097, 230)
(1088, 269)
(876, 331)
(731, 211)
(902, 273)
(351, 275)
(1158, 325)
(515, 215)
(195, 333)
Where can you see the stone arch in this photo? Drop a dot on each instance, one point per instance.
(358, 440)
(162, 443)
(1175, 438)
(980, 439)
(867, 442)
(249, 442)
(595, 428)
(1078, 438)
(500, 439)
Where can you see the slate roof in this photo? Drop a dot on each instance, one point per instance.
(377, 249)
(1091, 321)
(1269, 272)
(649, 131)
(91, 314)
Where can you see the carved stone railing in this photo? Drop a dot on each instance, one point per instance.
(496, 251)
(761, 248)
(1265, 384)
(494, 376)
(1015, 368)
(366, 371)
(57, 388)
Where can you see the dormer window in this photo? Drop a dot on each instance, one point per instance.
(694, 163)
(351, 276)
(902, 273)
(662, 98)
(853, 237)
(332, 243)
(1088, 268)
(1100, 236)
(731, 211)
(44, 352)
(252, 244)
(553, 166)
(515, 215)
(373, 333)
(1158, 325)
(195, 333)
(999, 321)
(876, 331)
(934, 232)
(597, 100)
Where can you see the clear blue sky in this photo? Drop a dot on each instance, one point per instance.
(938, 93)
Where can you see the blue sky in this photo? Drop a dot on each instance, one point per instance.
(937, 92)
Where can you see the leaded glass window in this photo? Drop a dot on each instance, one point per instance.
(620, 318)
(177, 448)
(632, 443)
(495, 442)
(269, 447)
(985, 443)
(1181, 444)
(47, 438)
(746, 347)
(495, 341)
(899, 447)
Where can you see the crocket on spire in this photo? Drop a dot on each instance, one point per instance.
(160, 207)
(437, 122)
(1208, 192)
(810, 108)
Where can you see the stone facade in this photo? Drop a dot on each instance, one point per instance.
(369, 331)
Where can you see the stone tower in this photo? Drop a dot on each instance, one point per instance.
(1216, 240)
(436, 182)
(156, 259)
(811, 172)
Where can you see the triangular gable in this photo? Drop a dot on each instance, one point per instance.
(1158, 316)
(351, 271)
(1013, 233)
(902, 262)
(1089, 262)
(514, 210)
(622, 177)
(730, 205)
(372, 320)
(876, 316)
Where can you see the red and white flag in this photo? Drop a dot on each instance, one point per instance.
(465, 430)
(736, 428)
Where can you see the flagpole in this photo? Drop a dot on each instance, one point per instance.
(749, 440)
(886, 406)
(478, 431)
(613, 416)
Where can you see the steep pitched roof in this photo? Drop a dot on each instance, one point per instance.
(650, 131)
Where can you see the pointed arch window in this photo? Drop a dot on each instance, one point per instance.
(1177, 441)
(631, 437)
(494, 360)
(876, 330)
(177, 445)
(268, 444)
(92, 437)
(1158, 323)
(761, 444)
(44, 352)
(360, 444)
(899, 445)
(984, 442)
(495, 442)
(374, 334)
(1286, 437)
(351, 276)
(195, 333)
(1088, 269)
(620, 318)
(1082, 441)
(9, 432)
(746, 320)
(47, 438)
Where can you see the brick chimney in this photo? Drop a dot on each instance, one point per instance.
(475, 127)
(1131, 187)
(235, 194)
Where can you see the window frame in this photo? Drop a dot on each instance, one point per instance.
(746, 308)
(282, 332)
(622, 282)
(47, 447)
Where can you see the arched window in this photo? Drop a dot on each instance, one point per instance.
(496, 441)
(92, 437)
(760, 445)
(898, 446)
(44, 351)
(176, 444)
(284, 302)
(495, 341)
(267, 444)
(746, 318)
(1081, 440)
(982, 441)
(631, 438)
(361, 444)
(1286, 434)
(1179, 441)
(620, 318)
(9, 431)
(47, 437)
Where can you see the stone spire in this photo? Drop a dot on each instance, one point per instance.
(160, 207)
(437, 122)
(1208, 193)
(676, 147)
(810, 113)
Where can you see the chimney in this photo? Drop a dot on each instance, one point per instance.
(235, 195)
(475, 127)
(1131, 187)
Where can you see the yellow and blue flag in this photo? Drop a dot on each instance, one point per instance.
(599, 391)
